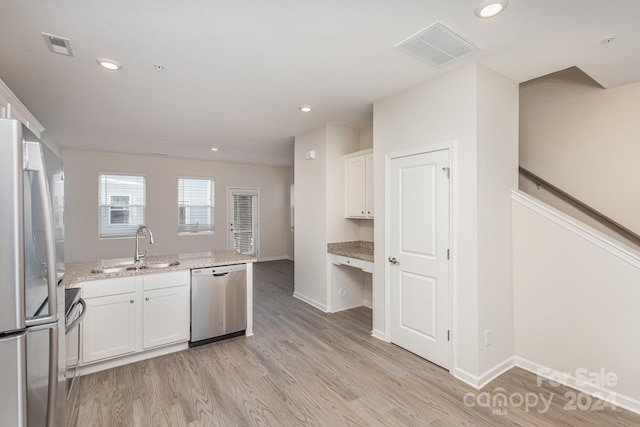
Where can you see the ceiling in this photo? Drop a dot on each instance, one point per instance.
(235, 71)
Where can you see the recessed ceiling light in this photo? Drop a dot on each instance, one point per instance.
(491, 8)
(109, 64)
(305, 108)
(214, 148)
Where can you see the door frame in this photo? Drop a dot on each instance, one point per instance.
(246, 190)
(453, 288)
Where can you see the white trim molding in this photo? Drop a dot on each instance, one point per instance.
(322, 307)
(482, 380)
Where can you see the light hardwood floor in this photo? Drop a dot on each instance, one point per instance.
(305, 367)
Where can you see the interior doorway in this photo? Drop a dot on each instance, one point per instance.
(419, 252)
(243, 220)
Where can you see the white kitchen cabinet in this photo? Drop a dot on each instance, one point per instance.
(358, 168)
(165, 309)
(109, 327)
(131, 315)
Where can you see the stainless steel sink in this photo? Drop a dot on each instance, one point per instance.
(119, 268)
(154, 265)
(106, 270)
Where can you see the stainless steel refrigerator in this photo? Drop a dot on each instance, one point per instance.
(32, 362)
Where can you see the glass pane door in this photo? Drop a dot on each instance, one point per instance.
(243, 221)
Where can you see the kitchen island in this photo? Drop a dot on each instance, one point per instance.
(77, 272)
(135, 312)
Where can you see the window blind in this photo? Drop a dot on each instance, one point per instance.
(195, 205)
(121, 204)
(243, 223)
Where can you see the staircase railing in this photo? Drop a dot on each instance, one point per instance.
(584, 208)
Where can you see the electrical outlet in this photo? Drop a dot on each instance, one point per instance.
(487, 338)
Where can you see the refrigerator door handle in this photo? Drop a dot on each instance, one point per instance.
(52, 386)
(53, 376)
(34, 161)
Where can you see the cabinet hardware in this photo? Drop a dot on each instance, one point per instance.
(393, 260)
(131, 301)
(146, 299)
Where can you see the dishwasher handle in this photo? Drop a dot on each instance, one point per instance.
(221, 274)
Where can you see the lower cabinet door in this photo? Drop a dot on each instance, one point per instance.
(109, 327)
(166, 316)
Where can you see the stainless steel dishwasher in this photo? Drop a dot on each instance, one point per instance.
(218, 303)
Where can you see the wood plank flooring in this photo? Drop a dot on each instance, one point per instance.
(304, 367)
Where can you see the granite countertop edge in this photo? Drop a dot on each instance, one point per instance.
(78, 272)
(357, 249)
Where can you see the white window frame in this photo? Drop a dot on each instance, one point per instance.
(182, 228)
(109, 230)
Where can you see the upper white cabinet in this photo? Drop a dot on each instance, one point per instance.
(358, 170)
(12, 108)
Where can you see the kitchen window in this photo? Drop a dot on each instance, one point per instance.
(122, 200)
(195, 205)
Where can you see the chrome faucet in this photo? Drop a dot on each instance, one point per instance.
(137, 259)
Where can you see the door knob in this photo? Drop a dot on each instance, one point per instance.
(393, 260)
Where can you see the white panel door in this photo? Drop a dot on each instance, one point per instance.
(419, 265)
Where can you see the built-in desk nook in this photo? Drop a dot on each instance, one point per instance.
(351, 271)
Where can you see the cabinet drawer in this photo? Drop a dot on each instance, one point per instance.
(353, 262)
(105, 287)
(166, 280)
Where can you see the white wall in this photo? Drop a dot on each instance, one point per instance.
(310, 245)
(447, 109)
(497, 175)
(81, 204)
(341, 140)
(584, 140)
(529, 186)
(319, 217)
(576, 298)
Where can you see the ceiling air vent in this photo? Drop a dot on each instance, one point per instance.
(57, 44)
(436, 45)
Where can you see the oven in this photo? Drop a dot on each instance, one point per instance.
(75, 309)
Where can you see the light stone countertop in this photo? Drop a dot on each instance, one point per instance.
(76, 272)
(358, 249)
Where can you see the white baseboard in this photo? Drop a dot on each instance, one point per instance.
(349, 307)
(367, 304)
(311, 302)
(377, 333)
(600, 393)
(479, 381)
